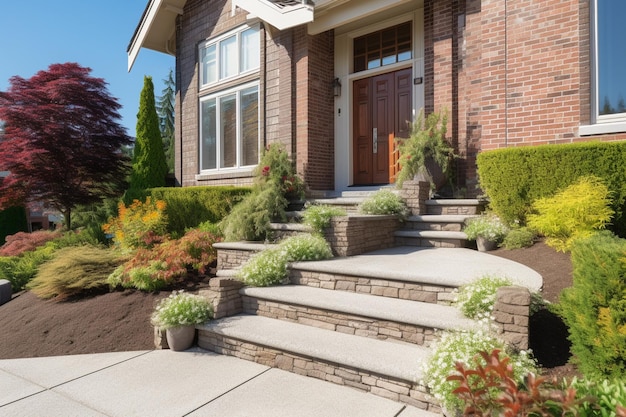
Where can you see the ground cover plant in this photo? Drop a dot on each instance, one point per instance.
(476, 300)
(318, 216)
(73, 270)
(22, 242)
(384, 201)
(269, 267)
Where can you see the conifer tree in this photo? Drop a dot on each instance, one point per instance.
(165, 110)
(149, 166)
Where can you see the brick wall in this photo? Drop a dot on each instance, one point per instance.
(513, 73)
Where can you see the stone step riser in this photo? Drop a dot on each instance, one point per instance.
(408, 392)
(339, 322)
(448, 227)
(427, 293)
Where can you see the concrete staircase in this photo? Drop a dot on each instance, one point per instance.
(368, 329)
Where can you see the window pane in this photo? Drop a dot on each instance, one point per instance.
(228, 57)
(384, 47)
(250, 49)
(209, 65)
(228, 130)
(250, 126)
(611, 56)
(208, 141)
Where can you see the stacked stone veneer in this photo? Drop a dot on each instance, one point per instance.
(339, 322)
(232, 258)
(511, 312)
(407, 392)
(357, 234)
(415, 194)
(382, 287)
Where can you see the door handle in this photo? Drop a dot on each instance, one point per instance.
(375, 140)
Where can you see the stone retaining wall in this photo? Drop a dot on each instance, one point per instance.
(395, 289)
(511, 312)
(397, 390)
(415, 194)
(356, 234)
(339, 322)
(232, 258)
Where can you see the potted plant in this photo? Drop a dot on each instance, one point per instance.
(487, 230)
(426, 154)
(178, 315)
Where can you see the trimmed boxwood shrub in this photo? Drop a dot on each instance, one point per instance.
(513, 178)
(12, 220)
(189, 206)
(594, 308)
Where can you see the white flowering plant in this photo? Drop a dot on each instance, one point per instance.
(476, 299)
(488, 226)
(269, 267)
(181, 309)
(465, 347)
(384, 201)
(318, 217)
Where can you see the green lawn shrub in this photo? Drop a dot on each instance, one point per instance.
(139, 225)
(520, 237)
(19, 270)
(74, 270)
(594, 308)
(187, 207)
(574, 213)
(513, 178)
(601, 398)
(12, 220)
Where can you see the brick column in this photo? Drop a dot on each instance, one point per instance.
(511, 312)
(415, 194)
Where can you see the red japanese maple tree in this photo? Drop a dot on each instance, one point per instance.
(62, 141)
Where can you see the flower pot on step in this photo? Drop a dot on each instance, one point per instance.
(485, 245)
(181, 337)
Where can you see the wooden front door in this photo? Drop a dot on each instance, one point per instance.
(382, 111)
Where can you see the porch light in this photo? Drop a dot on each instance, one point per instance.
(337, 87)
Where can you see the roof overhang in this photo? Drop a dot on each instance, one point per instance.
(282, 14)
(156, 29)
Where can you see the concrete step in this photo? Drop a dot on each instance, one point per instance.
(441, 222)
(354, 313)
(431, 238)
(467, 206)
(389, 369)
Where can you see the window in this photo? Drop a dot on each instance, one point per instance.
(384, 47)
(229, 129)
(230, 55)
(610, 60)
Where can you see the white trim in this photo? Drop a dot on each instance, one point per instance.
(217, 95)
(142, 33)
(279, 17)
(602, 128)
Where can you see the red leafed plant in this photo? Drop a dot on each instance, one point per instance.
(492, 390)
(23, 242)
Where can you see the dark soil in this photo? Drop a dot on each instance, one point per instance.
(120, 320)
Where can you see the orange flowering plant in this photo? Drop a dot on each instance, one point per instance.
(138, 225)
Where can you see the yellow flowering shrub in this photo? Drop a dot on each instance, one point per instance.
(141, 224)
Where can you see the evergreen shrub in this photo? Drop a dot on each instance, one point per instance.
(12, 220)
(574, 213)
(513, 178)
(594, 308)
(187, 207)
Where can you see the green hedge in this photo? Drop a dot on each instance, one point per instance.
(189, 206)
(594, 308)
(12, 220)
(513, 178)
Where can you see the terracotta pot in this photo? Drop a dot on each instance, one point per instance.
(485, 245)
(181, 337)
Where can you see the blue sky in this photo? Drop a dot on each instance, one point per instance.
(95, 34)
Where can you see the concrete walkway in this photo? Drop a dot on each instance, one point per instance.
(171, 384)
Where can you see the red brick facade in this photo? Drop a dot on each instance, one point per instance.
(510, 73)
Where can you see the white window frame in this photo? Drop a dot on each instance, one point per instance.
(217, 43)
(600, 124)
(219, 140)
